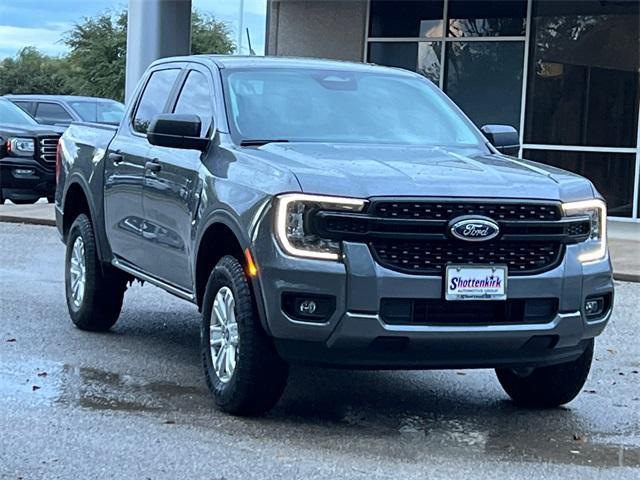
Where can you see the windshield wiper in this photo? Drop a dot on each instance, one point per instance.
(259, 142)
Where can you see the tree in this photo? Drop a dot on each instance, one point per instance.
(97, 55)
(95, 64)
(97, 46)
(31, 71)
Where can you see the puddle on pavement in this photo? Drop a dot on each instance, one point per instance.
(504, 435)
(53, 383)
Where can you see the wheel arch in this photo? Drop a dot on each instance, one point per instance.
(76, 201)
(225, 234)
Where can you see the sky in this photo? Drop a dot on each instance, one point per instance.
(41, 23)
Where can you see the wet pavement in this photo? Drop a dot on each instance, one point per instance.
(132, 403)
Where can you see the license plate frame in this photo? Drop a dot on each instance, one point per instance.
(476, 272)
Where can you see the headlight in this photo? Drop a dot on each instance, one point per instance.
(292, 228)
(20, 147)
(596, 210)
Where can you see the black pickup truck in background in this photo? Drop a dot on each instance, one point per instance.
(27, 156)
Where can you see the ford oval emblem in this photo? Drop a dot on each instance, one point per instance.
(474, 229)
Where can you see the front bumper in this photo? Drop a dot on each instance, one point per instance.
(356, 336)
(40, 182)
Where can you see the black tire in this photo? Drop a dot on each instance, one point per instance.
(22, 201)
(260, 375)
(51, 198)
(548, 387)
(104, 286)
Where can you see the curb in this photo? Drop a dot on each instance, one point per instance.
(626, 277)
(28, 220)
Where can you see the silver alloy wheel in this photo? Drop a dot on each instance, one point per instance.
(223, 334)
(78, 270)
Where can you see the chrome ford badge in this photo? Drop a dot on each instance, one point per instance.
(475, 229)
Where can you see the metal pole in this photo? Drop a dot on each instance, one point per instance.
(240, 27)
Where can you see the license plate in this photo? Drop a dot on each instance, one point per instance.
(476, 282)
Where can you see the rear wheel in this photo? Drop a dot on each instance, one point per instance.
(243, 371)
(547, 387)
(94, 292)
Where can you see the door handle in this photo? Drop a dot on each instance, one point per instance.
(153, 166)
(116, 158)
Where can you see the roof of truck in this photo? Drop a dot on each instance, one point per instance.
(256, 61)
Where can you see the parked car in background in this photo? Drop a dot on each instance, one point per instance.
(64, 109)
(27, 156)
(337, 214)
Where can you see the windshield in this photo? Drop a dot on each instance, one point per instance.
(10, 113)
(103, 111)
(343, 107)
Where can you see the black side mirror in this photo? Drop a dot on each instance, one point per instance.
(504, 137)
(177, 131)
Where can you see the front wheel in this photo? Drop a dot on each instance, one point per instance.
(547, 387)
(243, 371)
(94, 292)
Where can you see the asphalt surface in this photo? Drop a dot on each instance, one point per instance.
(132, 403)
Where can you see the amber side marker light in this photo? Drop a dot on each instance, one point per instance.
(252, 269)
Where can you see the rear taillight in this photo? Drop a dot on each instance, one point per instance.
(58, 159)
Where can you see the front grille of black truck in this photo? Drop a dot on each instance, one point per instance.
(47, 150)
(413, 236)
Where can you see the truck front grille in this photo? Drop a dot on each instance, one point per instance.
(431, 257)
(47, 150)
(414, 235)
(430, 210)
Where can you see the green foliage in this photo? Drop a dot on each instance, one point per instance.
(209, 36)
(33, 72)
(95, 64)
(97, 55)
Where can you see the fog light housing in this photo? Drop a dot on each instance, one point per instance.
(24, 171)
(597, 306)
(308, 307)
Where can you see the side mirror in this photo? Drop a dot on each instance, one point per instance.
(177, 131)
(504, 137)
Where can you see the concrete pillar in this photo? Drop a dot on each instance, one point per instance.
(156, 29)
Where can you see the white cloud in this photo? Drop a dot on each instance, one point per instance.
(47, 40)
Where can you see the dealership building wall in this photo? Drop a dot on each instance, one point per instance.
(565, 73)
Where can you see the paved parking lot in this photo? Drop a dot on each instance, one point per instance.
(132, 403)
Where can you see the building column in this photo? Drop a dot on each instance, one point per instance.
(155, 29)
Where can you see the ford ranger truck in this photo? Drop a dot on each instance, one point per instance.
(334, 214)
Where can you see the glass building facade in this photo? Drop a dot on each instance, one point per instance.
(565, 73)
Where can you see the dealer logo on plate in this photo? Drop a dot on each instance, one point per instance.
(474, 229)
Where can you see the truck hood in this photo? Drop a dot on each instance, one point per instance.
(382, 170)
(14, 130)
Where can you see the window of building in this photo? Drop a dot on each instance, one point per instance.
(485, 80)
(421, 57)
(485, 18)
(52, 113)
(196, 98)
(406, 18)
(583, 74)
(611, 173)
(154, 98)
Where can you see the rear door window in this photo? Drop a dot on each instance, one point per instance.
(154, 98)
(52, 113)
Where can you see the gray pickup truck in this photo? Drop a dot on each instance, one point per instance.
(336, 214)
